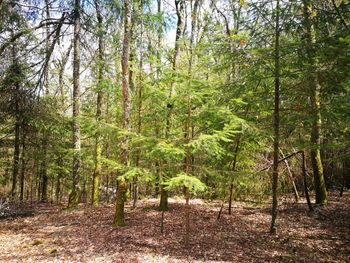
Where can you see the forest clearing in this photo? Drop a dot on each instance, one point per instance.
(87, 235)
(174, 131)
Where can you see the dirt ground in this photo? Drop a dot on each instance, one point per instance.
(53, 234)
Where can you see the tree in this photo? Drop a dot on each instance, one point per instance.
(276, 122)
(97, 172)
(74, 194)
(179, 5)
(315, 100)
(124, 154)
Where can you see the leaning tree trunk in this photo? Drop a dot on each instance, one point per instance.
(74, 194)
(124, 155)
(303, 168)
(315, 98)
(290, 175)
(276, 123)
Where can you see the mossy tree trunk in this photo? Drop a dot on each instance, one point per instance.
(315, 99)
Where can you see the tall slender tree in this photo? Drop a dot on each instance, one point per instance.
(100, 69)
(124, 151)
(44, 176)
(180, 6)
(74, 194)
(314, 88)
(276, 120)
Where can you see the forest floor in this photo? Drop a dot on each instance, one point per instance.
(53, 234)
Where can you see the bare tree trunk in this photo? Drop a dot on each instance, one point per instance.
(139, 106)
(315, 98)
(23, 162)
(43, 170)
(276, 124)
(75, 191)
(18, 118)
(290, 175)
(62, 63)
(58, 182)
(16, 152)
(305, 182)
(97, 172)
(124, 155)
(44, 177)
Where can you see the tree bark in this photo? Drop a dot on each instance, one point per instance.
(315, 98)
(44, 176)
(43, 170)
(124, 155)
(276, 123)
(75, 191)
(18, 117)
(305, 183)
(23, 162)
(290, 175)
(135, 189)
(97, 171)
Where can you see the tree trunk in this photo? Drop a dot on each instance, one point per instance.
(124, 155)
(43, 170)
(179, 4)
(97, 172)
(139, 108)
(276, 123)
(58, 187)
(74, 194)
(290, 175)
(16, 152)
(44, 176)
(23, 162)
(18, 117)
(305, 182)
(315, 98)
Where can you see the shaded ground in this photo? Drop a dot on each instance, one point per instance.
(86, 235)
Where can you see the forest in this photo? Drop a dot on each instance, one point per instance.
(174, 131)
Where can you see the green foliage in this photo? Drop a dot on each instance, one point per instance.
(142, 174)
(167, 152)
(207, 144)
(193, 184)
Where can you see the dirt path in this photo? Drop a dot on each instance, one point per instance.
(86, 235)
